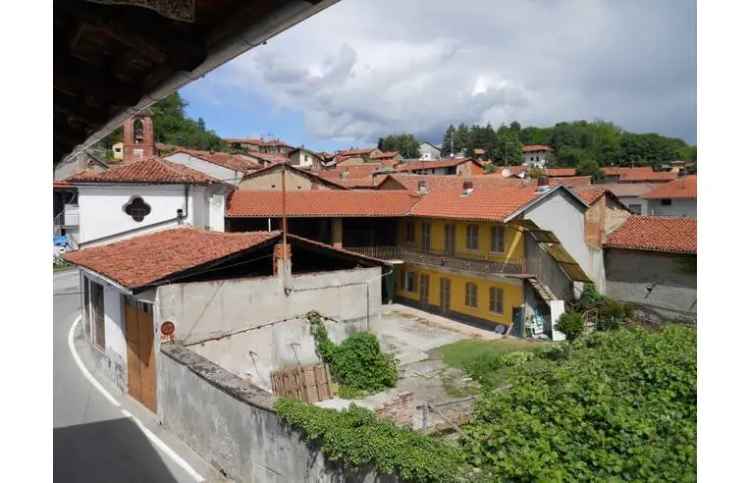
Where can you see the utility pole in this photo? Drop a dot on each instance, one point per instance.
(283, 224)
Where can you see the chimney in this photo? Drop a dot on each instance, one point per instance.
(542, 184)
(422, 187)
(278, 258)
(468, 188)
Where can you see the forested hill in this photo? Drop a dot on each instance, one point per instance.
(576, 143)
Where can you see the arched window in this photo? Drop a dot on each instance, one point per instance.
(138, 131)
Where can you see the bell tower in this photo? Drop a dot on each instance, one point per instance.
(138, 138)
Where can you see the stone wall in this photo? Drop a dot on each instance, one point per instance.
(233, 426)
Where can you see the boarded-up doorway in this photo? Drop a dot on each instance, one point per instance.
(141, 358)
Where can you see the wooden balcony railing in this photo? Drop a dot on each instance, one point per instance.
(473, 262)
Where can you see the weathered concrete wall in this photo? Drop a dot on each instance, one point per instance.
(630, 273)
(232, 425)
(206, 310)
(547, 270)
(256, 353)
(679, 207)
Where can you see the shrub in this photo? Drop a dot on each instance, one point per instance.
(355, 437)
(571, 324)
(621, 407)
(358, 363)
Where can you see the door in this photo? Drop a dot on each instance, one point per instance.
(424, 289)
(141, 357)
(450, 239)
(445, 295)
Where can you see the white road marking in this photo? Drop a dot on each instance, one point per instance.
(147, 432)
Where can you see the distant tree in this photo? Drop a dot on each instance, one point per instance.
(406, 144)
(448, 140)
(462, 139)
(589, 167)
(508, 149)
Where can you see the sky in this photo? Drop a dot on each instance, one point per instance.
(361, 70)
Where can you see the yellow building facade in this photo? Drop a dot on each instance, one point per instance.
(486, 298)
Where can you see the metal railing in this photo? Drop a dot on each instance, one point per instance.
(67, 218)
(473, 262)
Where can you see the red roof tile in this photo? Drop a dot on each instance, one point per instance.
(438, 163)
(62, 185)
(570, 181)
(154, 170)
(144, 260)
(268, 157)
(236, 162)
(492, 199)
(684, 187)
(386, 154)
(657, 234)
(308, 174)
(347, 172)
(645, 176)
(620, 170)
(528, 148)
(321, 203)
(560, 172)
(590, 195)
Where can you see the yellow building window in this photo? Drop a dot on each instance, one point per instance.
(498, 238)
(472, 237)
(426, 232)
(471, 295)
(409, 282)
(496, 300)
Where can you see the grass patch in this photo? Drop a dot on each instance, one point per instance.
(460, 354)
(488, 362)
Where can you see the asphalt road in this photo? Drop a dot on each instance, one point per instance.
(94, 440)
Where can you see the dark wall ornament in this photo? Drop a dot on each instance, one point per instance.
(137, 208)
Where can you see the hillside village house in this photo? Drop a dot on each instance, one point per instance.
(270, 179)
(213, 288)
(537, 155)
(144, 196)
(454, 166)
(651, 261)
(260, 145)
(229, 168)
(306, 159)
(353, 156)
(428, 151)
(676, 198)
(482, 250)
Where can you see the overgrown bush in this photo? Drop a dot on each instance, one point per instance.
(621, 406)
(571, 324)
(482, 368)
(355, 437)
(357, 364)
(607, 314)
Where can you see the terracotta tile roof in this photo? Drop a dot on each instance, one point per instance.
(321, 203)
(308, 174)
(657, 234)
(348, 172)
(438, 163)
(529, 148)
(385, 154)
(508, 171)
(684, 187)
(627, 189)
(144, 260)
(62, 185)
(590, 195)
(439, 181)
(487, 201)
(236, 162)
(645, 176)
(570, 181)
(269, 157)
(620, 170)
(355, 152)
(152, 171)
(559, 172)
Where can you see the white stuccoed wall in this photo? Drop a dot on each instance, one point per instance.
(566, 219)
(102, 208)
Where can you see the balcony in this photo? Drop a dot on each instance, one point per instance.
(68, 217)
(472, 262)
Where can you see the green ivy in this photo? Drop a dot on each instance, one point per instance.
(357, 364)
(357, 438)
(619, 406)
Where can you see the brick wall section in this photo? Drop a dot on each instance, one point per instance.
(400, 409)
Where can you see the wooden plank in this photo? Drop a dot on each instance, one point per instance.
(148, 360)
(132, 336)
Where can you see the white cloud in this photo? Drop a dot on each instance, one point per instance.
(363, 69)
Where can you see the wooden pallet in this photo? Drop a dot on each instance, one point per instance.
(310, 383)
